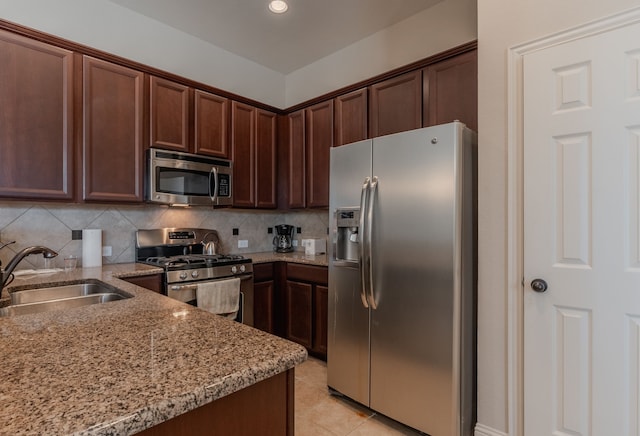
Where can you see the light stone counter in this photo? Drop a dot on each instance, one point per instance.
(294, 257)
(124, 366)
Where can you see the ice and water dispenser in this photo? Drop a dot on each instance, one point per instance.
(347, 238)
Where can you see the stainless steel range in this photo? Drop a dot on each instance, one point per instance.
(181, 253)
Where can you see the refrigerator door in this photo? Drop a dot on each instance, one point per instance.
(413, 333)
(348, 332)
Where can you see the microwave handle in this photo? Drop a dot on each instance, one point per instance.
(214, 172)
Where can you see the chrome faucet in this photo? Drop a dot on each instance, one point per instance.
(6, 273)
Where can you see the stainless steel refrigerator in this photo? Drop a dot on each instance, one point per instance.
(402, 277)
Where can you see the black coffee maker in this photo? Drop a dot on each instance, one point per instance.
(282, 241)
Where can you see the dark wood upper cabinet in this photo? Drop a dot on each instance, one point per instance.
(211, 124)
(169, 114)
(243, 154)
(266, 166)
(36, 119)
(396, 105)
(451, 91)
(295, 160)
(253, 144)
(351, 117)
(319, 140)
(112, 132)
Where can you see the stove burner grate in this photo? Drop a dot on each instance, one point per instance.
(192, 259)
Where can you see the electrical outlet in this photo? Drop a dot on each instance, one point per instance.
(295, 242)
(107, 250)
(243, 243)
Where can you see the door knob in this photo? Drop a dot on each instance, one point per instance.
(539, 285)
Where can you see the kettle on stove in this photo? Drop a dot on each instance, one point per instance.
(282, 242)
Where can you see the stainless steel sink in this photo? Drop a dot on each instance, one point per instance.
(62, 297)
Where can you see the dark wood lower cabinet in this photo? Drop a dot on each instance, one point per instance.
(320, 316)
(291, 301)
(152, 282)
(265, 409)
(263, 305)
(299, 313)
(306, 307)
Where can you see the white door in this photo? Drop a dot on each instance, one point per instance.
(582, 236)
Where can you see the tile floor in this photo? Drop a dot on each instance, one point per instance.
(319, 414)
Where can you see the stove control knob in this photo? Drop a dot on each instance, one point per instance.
(242, 268)
(194, 274)
(234, 269)
(183, 275)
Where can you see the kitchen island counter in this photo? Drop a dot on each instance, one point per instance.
(125, 366)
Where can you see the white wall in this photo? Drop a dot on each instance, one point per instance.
(503, 24)
(447, 24)
(109, 27)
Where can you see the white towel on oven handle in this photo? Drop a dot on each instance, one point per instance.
(221, 297)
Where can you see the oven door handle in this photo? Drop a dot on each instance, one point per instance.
(184, 287)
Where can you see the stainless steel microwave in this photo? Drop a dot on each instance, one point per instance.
(188, 179)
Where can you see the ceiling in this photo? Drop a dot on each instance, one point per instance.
(308, 31)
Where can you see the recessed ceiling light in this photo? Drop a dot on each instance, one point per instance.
(278, 6)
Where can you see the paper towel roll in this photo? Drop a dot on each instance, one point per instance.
(91, 247)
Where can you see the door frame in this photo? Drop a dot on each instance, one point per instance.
(515, 200)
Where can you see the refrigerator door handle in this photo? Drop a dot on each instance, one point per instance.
(373, 190)
(361, 246)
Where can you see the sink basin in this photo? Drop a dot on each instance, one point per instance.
(61, 297)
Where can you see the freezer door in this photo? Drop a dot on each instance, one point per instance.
(413, 259)
(348, 331)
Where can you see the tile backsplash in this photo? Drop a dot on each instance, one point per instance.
(50, 224)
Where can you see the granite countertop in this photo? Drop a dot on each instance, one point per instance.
(124, 366)
(294, 257)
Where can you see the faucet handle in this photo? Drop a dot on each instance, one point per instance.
(6, 243)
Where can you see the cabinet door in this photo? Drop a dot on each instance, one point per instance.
(351, 117)
(211, 124)
(451, 91)
(263, 305)
(169, 114)
(319, 140)
(113, 132)
(36, 119)
(299, 315)
(152, 282)
(396, 105)
(296, 162)
(320, 314)
(266, 159)
(243, 152)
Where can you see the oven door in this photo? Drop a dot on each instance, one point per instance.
(186, 292)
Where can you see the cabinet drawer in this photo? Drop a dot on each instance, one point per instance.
(308, 273)
(262, 272)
